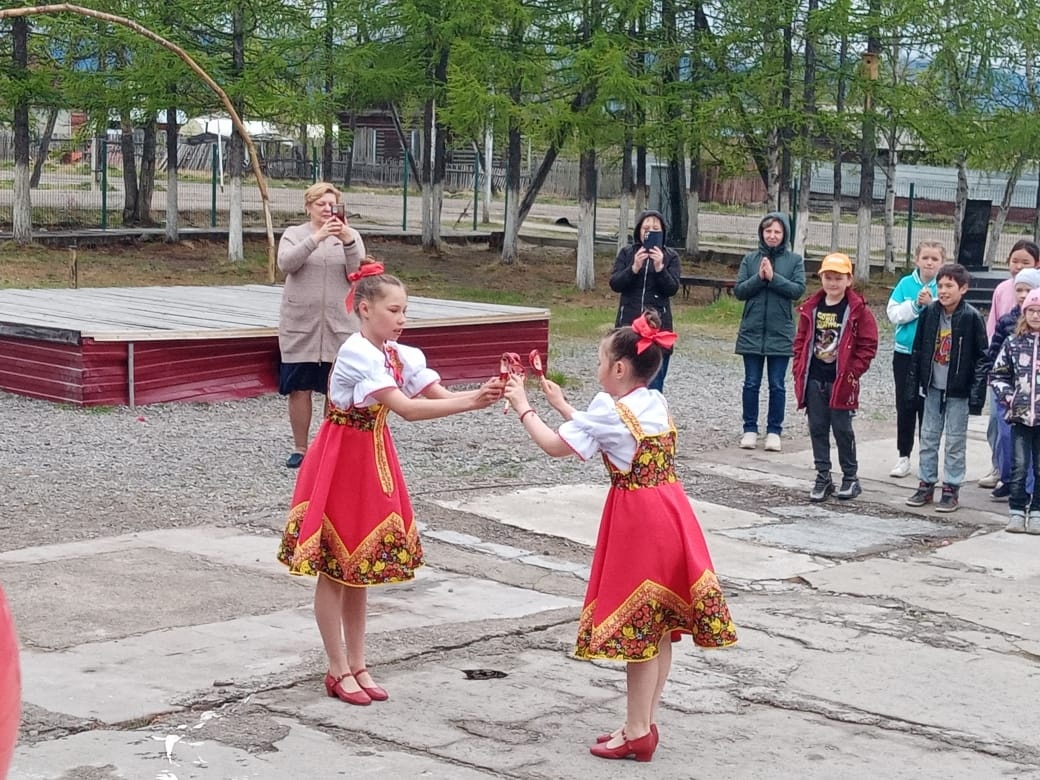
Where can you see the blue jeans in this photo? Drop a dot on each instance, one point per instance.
(776, 366)
(949, 416)
(1006, 453)
(657, 383)
(993, 437)
(1025, 443)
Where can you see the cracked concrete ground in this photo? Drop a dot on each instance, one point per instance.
(875, 641)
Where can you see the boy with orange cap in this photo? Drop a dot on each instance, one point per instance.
(836, 342)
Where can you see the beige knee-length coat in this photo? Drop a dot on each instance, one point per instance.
(313, 321)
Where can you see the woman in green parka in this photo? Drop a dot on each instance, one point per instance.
(769, 282)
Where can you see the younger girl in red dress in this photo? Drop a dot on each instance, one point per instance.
(652, 576)
(351, 521)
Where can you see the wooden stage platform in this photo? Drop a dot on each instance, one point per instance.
(142, 345)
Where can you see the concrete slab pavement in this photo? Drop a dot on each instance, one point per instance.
(875, 641)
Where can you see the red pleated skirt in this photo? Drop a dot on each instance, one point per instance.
(351, 518)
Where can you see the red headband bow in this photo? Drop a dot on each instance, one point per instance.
(367, 269)
(650, 335)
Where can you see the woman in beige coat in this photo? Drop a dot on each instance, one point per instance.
(313, 322)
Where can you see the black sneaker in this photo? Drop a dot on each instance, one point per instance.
(1001, 491)
(850, 488)
(925, 494)
(822, 488)
(948, 502)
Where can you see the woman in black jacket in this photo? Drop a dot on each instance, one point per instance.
(646, 274)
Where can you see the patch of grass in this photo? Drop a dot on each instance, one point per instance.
(560, 378)
(571, 321)
(725, 312)
(505, 297)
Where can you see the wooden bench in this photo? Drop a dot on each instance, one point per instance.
(717, 285)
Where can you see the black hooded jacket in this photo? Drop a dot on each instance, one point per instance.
(649, 288)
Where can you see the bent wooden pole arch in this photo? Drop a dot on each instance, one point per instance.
(236, 120)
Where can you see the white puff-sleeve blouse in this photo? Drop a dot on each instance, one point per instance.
(601, 429)
(362, 369)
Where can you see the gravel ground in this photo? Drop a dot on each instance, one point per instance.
(70, 474)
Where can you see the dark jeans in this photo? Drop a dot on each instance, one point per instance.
(909, 413)
(823, 420)
(776, 366)
(657, 383)
(1025, 445)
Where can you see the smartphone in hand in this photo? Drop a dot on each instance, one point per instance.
(339, 211)
(654, 238)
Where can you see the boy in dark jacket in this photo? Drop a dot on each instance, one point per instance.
(949, 368)
(646, 274)
(836, 341)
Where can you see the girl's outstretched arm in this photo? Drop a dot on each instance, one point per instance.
(540, 433)
(444, 402)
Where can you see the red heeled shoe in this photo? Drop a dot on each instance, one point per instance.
(653, 730)
(375, 692)
(641, 749)
(334, 689)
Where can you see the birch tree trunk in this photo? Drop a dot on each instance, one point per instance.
(801, 232)
(1005, 204)
(693, 205)
(172, 213)
(773, 170)
(586, 276)
(44, 148)
(839, 106)
(437, 202)
(21, 217)
(889, 170)
(511, 227)
(236, 158)
(129, 155)
(960, 205)
(627, 184)
(428, 241)
(146, 176)
(489, 149)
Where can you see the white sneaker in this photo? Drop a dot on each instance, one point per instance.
(990, 480)
(1016, 523)
(1033, 523)
(772, 442)
(901, 469)
(749, 440)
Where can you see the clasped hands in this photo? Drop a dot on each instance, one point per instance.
(765, 269)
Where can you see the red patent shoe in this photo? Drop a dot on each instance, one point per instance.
(334, 688)
(375, 692)
(607, 737)
(641, 749)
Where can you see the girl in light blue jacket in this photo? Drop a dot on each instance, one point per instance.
(914, 291)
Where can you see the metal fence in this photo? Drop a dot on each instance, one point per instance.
(81, 186)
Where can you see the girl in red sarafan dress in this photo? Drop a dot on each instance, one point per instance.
(351, 520)
(652, 578)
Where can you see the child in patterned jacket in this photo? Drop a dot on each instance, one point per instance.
(1016, 386)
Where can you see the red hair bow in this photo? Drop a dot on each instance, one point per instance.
(650, 335)
(367, 269)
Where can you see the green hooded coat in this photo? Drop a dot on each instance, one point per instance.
(767, 324)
